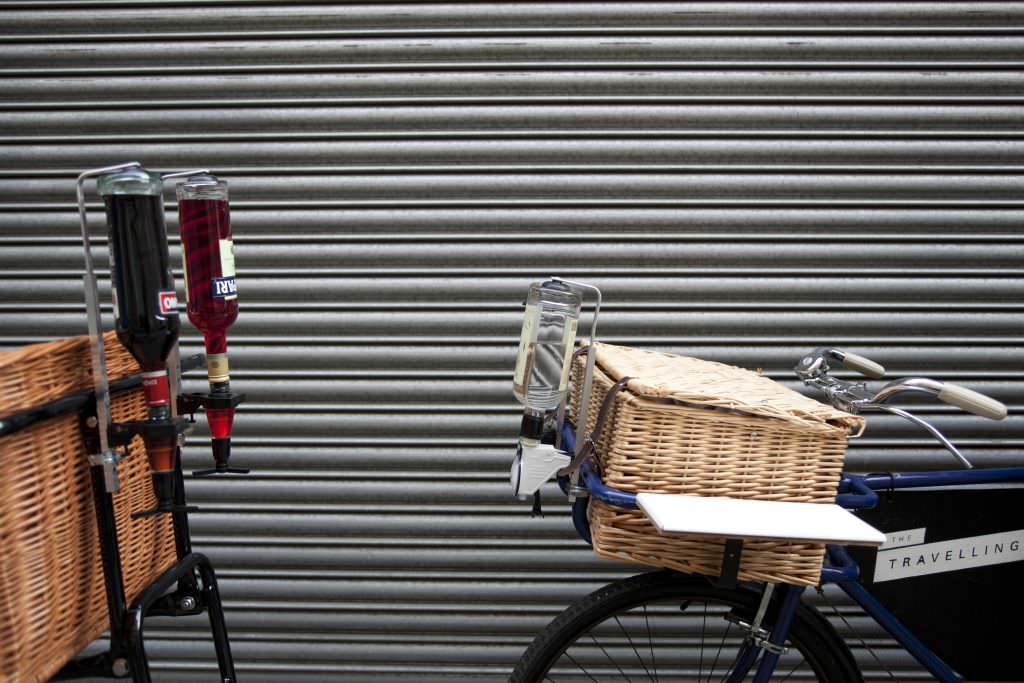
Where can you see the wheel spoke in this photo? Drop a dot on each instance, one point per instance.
(628, 679)
(630, 641)
(650, 643)
(729, 672)
(718, 653)
(580, 667)
(793, 670)
(703, 630)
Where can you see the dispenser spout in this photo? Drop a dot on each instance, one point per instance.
(221, 455)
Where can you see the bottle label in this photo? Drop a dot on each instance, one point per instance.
(225, 288)
(227, 258)
(168, 303)
(526, 339)
(155, 386)
(217, 367)
(568, 341)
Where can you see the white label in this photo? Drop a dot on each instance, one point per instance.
(227, 258)
(568, 341)
(949, 556)
(900, 539)
(531, 319)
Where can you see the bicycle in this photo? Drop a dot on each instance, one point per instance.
(657, 626)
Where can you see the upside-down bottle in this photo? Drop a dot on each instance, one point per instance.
(208, 256)
(545, 349)
(145, 304)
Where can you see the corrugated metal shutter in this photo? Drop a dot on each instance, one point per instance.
(744, 180)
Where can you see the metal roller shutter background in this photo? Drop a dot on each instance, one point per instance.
(744, 180)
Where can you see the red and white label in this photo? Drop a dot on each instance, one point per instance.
(155, 386)
(169, 303)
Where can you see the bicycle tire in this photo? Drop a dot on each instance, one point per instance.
(812, 636)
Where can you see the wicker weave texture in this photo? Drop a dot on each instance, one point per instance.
(40, 373)
(52, 597)
(681, 438)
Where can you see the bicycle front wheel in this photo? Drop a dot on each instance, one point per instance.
(666, 627)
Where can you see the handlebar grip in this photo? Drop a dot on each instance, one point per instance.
(865, 366)
(972, 401)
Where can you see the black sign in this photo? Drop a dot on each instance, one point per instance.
(952, 571)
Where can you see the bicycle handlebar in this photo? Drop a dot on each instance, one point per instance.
(972, 401)
(858, 363)
(855, 397)
(953, 394)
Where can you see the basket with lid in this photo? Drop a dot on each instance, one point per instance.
(688, 426)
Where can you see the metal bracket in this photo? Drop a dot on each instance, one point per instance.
(731, 555)
(588, 378)
(757, 635)
(105, 457)
(191, 403)
(122, 433)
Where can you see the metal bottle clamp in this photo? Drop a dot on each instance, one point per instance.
(588, 379)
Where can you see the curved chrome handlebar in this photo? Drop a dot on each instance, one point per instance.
(854, 397)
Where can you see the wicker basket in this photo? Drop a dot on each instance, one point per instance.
(52, 596)
(688, 426)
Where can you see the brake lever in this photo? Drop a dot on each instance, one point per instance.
(931, 429)
(855, 397)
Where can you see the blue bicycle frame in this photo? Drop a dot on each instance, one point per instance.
(856, 492)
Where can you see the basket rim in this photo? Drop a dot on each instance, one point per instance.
(787, 406)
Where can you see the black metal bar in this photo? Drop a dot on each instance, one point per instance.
(73, 402)
(152, 595)
(182, 532)
(103, 665)
(222, 646)
(731, 556)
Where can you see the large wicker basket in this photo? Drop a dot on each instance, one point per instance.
(688, 426)
(52, 596)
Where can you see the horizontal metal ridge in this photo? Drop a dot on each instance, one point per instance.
(548, 133)
(182, 106)
(516, 32)
(523, 66)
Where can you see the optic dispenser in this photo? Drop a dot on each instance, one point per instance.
(541, 377)
(145, 306)
(208, 258)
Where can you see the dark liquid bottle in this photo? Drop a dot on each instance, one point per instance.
(209, 261)
(145, 303)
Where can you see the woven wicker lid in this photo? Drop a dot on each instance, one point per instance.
(700, 382)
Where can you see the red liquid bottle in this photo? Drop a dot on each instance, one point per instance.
(209, 261)
(145, 303)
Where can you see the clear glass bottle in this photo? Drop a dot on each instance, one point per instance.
(546, 344)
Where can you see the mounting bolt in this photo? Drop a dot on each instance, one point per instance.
(91, 422)
(188, 603)
(119, 667)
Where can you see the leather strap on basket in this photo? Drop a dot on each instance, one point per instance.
(589, 445)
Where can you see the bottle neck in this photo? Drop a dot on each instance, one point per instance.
(531, 429)
(217, 368)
